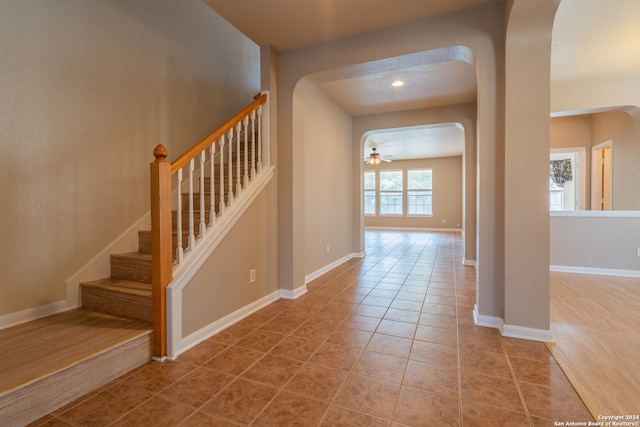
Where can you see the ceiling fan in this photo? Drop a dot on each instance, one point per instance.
(375, 158)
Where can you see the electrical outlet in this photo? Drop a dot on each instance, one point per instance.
(444, 221)
(252, 275)
(638, 252)
(328, 248)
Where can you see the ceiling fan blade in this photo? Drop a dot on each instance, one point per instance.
(385, 159)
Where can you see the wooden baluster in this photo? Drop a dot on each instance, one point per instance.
(260, 138)
(238, 159)
(245, 122)
(212, 194)
(253, 144)
(203, 225)
(179, 248)
(221, 204)
(192, 238)
(230, 166)
(161, 269)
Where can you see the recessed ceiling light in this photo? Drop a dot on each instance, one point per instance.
(397, 83)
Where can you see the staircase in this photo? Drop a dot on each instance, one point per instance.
(121, 320)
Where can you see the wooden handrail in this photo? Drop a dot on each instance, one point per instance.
(197, 149)
(161, 217)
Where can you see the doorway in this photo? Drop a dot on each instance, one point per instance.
(601, 170)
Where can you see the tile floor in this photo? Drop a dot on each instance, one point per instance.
(387, 340)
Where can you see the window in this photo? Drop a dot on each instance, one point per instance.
(391, 192)
(369, 192)
(419, 197)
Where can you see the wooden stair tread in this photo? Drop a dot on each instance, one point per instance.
(133, 256)
(46, 346)
(120, 285)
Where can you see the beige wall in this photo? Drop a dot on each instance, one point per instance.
(222, 285)
(624, 130)
(480, 31)
(622, 127)
(447, 195)
(574, 132)
(526, 164)
(463, 114)
(88, 89)
(327, 179)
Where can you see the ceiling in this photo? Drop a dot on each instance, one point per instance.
(591, 38)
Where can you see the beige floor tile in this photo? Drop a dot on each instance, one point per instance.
(107, 406)
(202, 352)
(381, 366)
(485, 363)
(435, 354)
(197, 387)
(272, 370)
(234, 360)
(395, 328)
(316, 382)
(155, 377)
(350, 337)
(490, 390)
(432, 378)
(554, 404)
(388, 344)
(342, 417)
(240, 401)
(335, 356)
(435, 335)
(368, 395)
(478, 415)
(148, 413)
(421, 408)
(260, 340)
(201, 419)
(291, 410)
(296, 348)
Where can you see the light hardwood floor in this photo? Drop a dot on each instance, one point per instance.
(596, 325)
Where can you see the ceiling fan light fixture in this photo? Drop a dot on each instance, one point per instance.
(397, 83)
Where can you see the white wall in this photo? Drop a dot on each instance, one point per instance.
(89, 88)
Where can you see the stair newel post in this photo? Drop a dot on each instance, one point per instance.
(238, 159)
(230, 166)
(212, 175)
(260, 139)
(192, 236)
(245, 123)
(221, 204)
(253, 144)
(203, 225)
(161, 272)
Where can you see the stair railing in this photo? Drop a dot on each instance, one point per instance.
(240, 139)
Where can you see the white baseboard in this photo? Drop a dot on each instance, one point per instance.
(512, 331)
(287, 294)
(523, 333)
(487, 321)
(34, 313)
(469, 262)
(97, 267)
(312, 276)
(179, 345)
(419, 229)
(596, 271)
